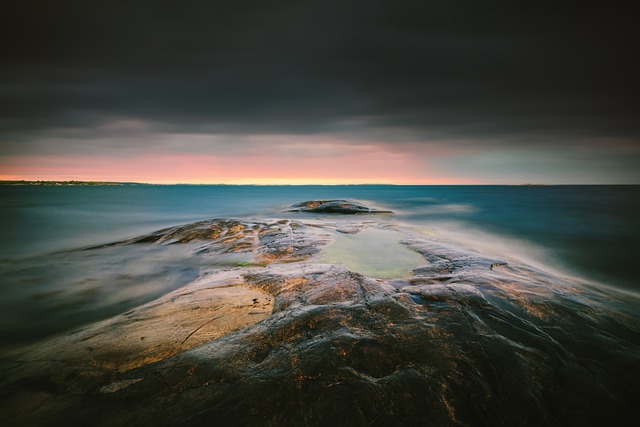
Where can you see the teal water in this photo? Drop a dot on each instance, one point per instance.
(48, 286)
(592, 230)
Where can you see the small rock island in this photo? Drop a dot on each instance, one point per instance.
(345, 207)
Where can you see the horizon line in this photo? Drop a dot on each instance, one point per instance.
(105, 183)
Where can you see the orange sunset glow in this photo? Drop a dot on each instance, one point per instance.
(211, 170)
(355, 165)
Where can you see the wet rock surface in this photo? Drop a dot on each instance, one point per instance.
(284, 340)
(280, 240)
(335, 207)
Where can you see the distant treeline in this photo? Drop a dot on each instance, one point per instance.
(67, 183)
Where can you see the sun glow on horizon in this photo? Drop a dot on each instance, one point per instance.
(264, 168)
(241, 181)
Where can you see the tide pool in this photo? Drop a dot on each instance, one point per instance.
(373, 252)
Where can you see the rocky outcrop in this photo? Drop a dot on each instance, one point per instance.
(287, 341)
(335, 207)
(266, 242)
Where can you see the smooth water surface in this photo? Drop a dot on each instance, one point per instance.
(591, 230)
(47, 285)
(373, 252)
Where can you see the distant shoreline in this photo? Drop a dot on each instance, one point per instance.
(70, 183)
(74, 183)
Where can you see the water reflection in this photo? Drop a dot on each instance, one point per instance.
(373, 252)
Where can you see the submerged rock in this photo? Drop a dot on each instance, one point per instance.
(290, 341)
(334, 207)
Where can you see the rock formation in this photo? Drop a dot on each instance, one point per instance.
(286, 341)
(335, 207)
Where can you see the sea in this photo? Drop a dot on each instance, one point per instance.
(57, 275)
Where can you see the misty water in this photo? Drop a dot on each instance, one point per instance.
(56, 274)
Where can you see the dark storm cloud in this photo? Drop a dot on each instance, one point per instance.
(504, 71)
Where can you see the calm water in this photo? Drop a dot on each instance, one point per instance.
(591, 231)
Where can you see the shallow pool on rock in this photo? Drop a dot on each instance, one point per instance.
(373, 252)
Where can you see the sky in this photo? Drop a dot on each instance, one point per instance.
(322, 92)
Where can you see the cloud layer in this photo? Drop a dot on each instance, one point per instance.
(436, 79)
